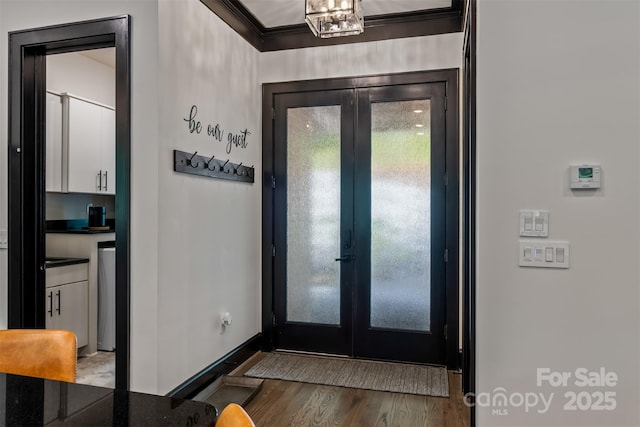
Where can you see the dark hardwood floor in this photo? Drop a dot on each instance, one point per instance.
(286, 403)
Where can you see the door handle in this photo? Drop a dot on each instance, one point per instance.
(105, 180)
(100, 181)
(50, 304)
(346, 258)
(58, 309)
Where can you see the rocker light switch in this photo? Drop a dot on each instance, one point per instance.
(534, 223)
(543, 253)
(528, 222)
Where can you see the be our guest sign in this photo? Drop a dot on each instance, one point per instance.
(216, 132)
(210, 166)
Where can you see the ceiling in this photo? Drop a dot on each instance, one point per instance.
(106, 56)
(278, 13)
(270, 25)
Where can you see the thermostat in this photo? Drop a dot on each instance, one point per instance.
(585, 176)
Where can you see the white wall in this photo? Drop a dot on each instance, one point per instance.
(208, 229)
(25, 14)
(558, 84)
(361, 59)
(82, 76)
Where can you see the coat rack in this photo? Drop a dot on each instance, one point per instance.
(195, 164)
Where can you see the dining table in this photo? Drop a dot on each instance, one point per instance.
(28, 401)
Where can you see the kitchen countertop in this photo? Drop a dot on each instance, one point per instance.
(77, 226)
(81, 231)
(51, 262)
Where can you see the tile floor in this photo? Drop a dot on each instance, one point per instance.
(97, 369)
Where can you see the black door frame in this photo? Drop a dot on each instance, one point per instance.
(469, 207)
(414, 346)
(334, 339)
(26, 161)
(447, 76)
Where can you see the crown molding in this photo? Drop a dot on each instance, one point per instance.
(382, 27)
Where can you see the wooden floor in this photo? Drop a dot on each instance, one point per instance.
(286, 403)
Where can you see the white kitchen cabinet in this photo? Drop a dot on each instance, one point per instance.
(53, 168)
(67, 300)
(84, 245)
(88, 146)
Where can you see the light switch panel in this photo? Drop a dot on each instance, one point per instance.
(534, 223)
(4, 242)
(543, 253)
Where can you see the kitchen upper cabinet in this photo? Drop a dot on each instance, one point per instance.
(53, 167)
(88, 148)
(67, 300)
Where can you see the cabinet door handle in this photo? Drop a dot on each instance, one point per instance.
(100, 181)
(50, 304)
(105, 180)
(58, 295)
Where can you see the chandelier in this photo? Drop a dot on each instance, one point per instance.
(333, 18)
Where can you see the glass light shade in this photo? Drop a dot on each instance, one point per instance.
(333, 18)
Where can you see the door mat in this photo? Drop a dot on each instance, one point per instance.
(423, 380)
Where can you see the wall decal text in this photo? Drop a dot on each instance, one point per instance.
(216, 132)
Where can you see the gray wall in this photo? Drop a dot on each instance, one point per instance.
(558, 85)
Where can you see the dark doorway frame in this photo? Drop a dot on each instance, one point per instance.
(450, 78)
(469, 208)
(26, 163)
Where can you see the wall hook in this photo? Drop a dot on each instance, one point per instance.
(206, 165)
(191, 161)
(197, 164)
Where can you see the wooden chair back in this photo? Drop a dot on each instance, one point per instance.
(42, 353)
(233, 415)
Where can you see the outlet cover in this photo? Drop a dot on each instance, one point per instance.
(4, 240)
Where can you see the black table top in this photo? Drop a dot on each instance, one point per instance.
(26, 401)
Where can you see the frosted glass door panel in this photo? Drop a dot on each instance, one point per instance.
(313, 215)
(400, 215)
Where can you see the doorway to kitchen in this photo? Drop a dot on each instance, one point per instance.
(80, 206)
(361, 224)
(28, 302)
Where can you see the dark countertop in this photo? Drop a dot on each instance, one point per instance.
(34, 401)
(77, 226)
(81, 231)
(51, 262)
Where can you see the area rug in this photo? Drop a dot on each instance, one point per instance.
(371, 375)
